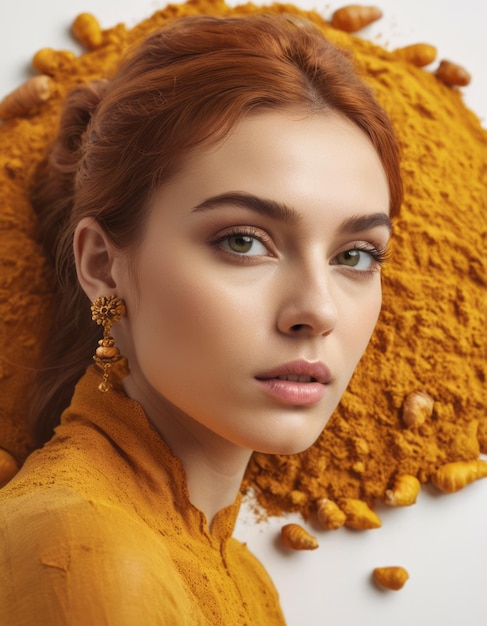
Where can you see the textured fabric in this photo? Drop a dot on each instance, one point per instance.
(97, 528)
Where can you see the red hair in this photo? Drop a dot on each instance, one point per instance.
(187, 84)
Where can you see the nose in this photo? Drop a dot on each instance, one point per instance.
(308, 307)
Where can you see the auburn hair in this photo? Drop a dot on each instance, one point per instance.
(187, 84)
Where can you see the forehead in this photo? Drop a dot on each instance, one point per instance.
(318, 161)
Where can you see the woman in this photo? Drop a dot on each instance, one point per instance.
(224, 202)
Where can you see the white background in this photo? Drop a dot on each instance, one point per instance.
(458, 28)
(442, 540)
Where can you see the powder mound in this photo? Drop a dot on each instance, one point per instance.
(431, 334)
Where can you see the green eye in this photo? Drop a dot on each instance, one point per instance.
(240, 243)
(350, 257)
(243, 245)
(360, 260)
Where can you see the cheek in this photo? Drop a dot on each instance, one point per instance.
(170, 310)
(189, 316)
(359, 321)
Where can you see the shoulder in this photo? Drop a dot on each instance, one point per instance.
(248, 562)
(256, 582)
(64, 560)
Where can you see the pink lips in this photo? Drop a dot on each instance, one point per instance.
(297, 382)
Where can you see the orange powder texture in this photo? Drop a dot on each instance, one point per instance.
(431, 335)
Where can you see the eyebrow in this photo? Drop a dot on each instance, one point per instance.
(288, 215)
(359, 223)
(263, 206)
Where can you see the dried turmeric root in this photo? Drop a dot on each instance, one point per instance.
(454, 476)
(26, 97)
(8, 467)
(358, 514)
(354, 17)
(452, 74)
(329, 514)
(417, 408)
(49, 61)
(419, 54)
(296, 537)
(391, 577)
(87, 30)
(404, 492)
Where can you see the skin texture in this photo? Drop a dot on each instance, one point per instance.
(208, 313)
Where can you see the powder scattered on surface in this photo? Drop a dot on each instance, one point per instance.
(430, 337)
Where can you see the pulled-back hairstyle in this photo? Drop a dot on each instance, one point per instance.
(187, 84)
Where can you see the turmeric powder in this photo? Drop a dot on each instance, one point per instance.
(433, 318)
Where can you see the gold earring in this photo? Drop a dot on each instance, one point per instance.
(105, 311)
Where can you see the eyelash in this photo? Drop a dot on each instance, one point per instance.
(379, 254)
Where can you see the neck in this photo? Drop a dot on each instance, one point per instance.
(214, 466)
(213, 479)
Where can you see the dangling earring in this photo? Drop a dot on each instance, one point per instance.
(105, 311)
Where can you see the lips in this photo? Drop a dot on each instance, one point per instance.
(298, 379)
(299, 371)
(298, 383)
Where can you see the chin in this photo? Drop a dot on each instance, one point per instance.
(298, 432)
(290, 442)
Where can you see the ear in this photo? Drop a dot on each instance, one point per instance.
(94, 255)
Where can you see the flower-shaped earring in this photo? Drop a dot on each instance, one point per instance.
(105, 311)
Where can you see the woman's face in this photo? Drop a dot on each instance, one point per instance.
(258, 282)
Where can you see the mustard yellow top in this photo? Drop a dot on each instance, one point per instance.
(97, 528)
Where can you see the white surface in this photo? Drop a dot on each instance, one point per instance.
(456, 27)
(442, 540)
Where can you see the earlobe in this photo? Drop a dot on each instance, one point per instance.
(93, 253)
